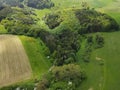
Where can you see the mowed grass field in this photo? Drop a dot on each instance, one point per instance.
(103, 77)
(110, 53)
(14, 63)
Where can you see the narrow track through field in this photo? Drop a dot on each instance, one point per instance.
(14, 63)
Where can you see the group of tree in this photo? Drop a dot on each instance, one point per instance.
(52, 20)
(66, 77)
(62, 46)
(93, 21)
(19, 22)
(39, 4)
(5, 11)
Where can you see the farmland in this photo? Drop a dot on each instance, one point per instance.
(14, 63)
(23, 59)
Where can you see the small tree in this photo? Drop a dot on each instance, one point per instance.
(99, 41)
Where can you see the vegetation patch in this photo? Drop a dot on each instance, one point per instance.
(64, 77)
(93, 21)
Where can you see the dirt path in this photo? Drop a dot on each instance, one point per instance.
(14, 63)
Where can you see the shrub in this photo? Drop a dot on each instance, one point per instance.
(52, 20)
(93, 21)
(64, 77)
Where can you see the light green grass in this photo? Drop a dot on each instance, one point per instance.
(34, 49)
(111, 55)
(115, 15)
(2, 29)
(104, 77)
(93, 69)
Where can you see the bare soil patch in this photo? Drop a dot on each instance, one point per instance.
(14, 63)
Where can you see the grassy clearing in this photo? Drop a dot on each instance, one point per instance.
(34, 49)
(111, 54)
(103, 77)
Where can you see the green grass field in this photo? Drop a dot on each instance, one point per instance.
(34, 49)
(103, 77)
(99, 77)
(110, 53)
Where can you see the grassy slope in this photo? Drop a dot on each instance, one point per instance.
(111, 54)
(103, 77)
(94, 72)
(39, 63)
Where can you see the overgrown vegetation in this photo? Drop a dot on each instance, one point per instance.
(93, 21)
(67, 34)
(40, 4)
(52, 20)
(64, 77)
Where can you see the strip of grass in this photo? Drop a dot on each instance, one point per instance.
(34, 49)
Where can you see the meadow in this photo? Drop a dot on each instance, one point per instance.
(99, 77)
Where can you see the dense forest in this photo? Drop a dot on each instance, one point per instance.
(64, 33)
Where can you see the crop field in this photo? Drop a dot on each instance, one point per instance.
(14, 63)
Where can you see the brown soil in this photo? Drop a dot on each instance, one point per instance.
(14, 63)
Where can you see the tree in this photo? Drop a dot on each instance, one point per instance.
(64, 77)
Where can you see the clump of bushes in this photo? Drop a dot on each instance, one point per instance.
(66, 77)
(52, 20)
(93, 21)
(18, 22)
(40, 4)
(12, 3)
(5, 11)
(92, 42)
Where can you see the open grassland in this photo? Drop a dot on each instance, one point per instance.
(14, 63)
(35, 49)
(110, 53)
(103, 77)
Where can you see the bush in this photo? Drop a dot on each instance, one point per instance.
(64, 77)
(40, 4)
(52, 20)
(93, 21)
(99, 41)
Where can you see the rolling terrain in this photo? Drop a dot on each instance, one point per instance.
(14, 59)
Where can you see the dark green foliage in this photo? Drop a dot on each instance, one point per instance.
(40, 4)
(92, 42)
(63, 46)
(12, 3)
(52, 20)
(19, 22)
(93, 21)
(99, 41)
(4, 12)
(67, 46)
(64, 77)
